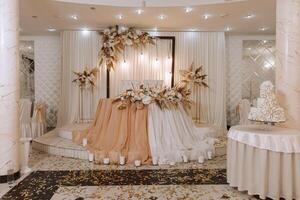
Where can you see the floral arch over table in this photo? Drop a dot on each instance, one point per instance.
(114, 41)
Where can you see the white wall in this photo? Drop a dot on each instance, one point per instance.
(234, 55)
(47, 57)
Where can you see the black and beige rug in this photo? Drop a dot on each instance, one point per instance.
(95, 184)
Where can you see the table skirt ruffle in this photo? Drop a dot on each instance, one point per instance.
(263, 172)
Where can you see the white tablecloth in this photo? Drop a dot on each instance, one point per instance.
(254, 167)
(267, 137)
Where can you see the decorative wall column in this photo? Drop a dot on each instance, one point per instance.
(288, 59)
(9, 86)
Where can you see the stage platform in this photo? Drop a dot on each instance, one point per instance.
(59, 142)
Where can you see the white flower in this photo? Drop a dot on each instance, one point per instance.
(146, 100)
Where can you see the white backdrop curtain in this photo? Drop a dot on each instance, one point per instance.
(79, 50)
(152, 62)
(207, 49)
(202, 48)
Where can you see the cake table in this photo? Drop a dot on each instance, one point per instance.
(264, 161)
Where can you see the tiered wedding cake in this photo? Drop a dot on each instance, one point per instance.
(268, 109)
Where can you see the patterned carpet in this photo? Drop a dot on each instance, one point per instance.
(42, 185)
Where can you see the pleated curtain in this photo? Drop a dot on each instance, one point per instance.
(203, 48)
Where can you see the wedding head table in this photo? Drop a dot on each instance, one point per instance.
(163, 136)
(264, 160)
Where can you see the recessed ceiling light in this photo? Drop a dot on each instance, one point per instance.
(224, 15)
(162, 17)
(92, 8)
(263, 28)
(265, 41)
(51, 29)
(206, 16)
(34, 16)
(188, 9)
(30, 47)
(155, 29)
(192, 29)
(228, 28)
(139, 11)
(75, 17)
(249, 16)
(119, 16)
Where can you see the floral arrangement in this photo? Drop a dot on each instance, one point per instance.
(115, 40)
(192, 77)
(86, 78)
(164, 97)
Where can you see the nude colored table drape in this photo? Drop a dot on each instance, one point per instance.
(117, 132)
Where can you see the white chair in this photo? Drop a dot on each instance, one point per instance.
(153, 83)
(25, 118)
(243, 111)
(38, 123)
(129, 84)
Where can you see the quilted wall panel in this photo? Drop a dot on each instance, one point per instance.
(47, 53)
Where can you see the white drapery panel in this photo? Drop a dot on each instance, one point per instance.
(79, 50)
(202, 48)
(207, 49)
(152, 62)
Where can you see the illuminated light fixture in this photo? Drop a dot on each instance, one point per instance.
(75, 17)
(249, 16)
(155, 29)
(85, 31)
(206, 16)
(265, 41)
(139, 11)
(188, 9)
(228, 28)
(162, 17)
(119, 16)
(263, 28)
(50, 29)
(124, 64)
(192, 29)
(30, 47)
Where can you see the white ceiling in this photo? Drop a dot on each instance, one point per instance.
(98, 14)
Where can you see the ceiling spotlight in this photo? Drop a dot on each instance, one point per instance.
(85, 31)
(92, 8)
(34, 16)
(119, 16)
(162, 17)
(228, 28)
(50, 29)
(249, 16)
(155, 29)
(265, 41)
(139, 11)
(263, 28)
(75, 17)
(206, 16)
(192, 29)
(188, 10)
(30, 47)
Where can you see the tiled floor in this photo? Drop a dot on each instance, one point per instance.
(42, 161)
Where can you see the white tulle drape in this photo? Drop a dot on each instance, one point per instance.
(203, 48)
(80, 50)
